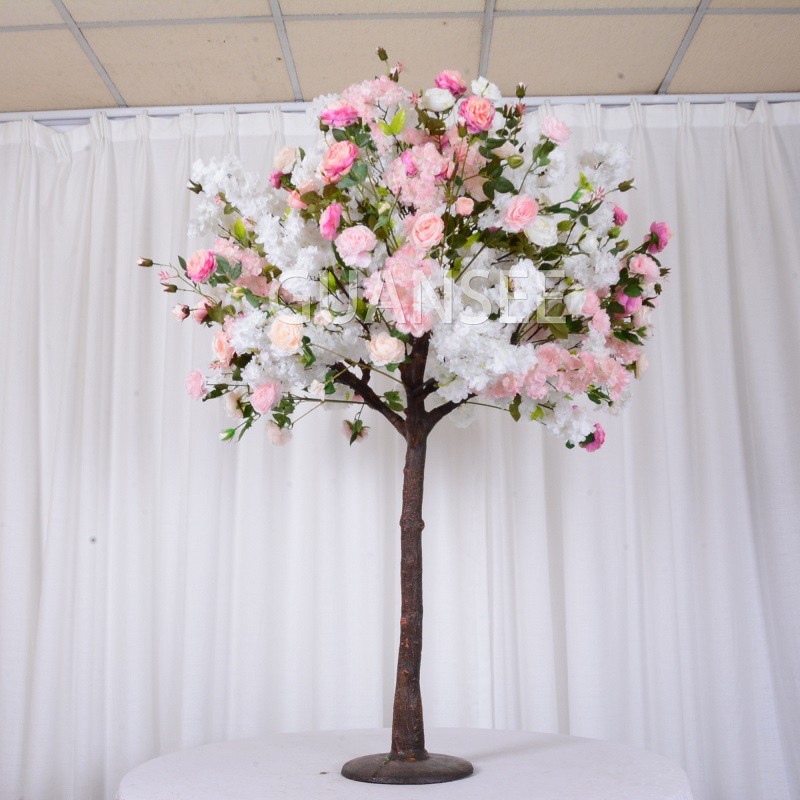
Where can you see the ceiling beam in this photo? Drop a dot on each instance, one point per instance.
(486, 37)
(288, 58)
(81, 39)
(684, 46)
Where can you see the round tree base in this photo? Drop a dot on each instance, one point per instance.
(381, 768)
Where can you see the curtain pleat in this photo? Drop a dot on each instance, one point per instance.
(160, 589)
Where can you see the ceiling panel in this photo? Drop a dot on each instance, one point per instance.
(565, 5)
(425, 46)
(755, 4)
(48, 69)
(289, 7)
(627, 59)
(185, 64)
(108, 11)
(29, 12)
(742, 53)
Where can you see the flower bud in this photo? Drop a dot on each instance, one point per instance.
(515, 161)
(145, 262)
(382, 54)
(170, 288)
(521, 89)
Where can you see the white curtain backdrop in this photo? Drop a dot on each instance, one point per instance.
(160, 589)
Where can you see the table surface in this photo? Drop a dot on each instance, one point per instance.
(511, 765)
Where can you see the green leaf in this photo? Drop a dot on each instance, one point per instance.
(537, 413)
(633, 290)
(182, 262)
(626, 186)
(385, 129)
(398, 123)
(358, 172)
(339, 135)
(503, 185)
(513, 409)
(488, 189)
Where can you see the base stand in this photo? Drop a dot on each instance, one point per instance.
(381, 768)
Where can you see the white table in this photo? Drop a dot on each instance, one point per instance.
(509, 765)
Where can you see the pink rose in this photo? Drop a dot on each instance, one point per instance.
(597, 439)
(355, 244)
(222, 347)
(266, 397)
(330, 219)
(294, 200)
(630, 304)
(338, 161)
(660, 234)
(464, 206)
(196, 385)
(200, 310)
(591, 305)
(427, 231)
(275, 179)
(644, 266)
(338, 115)
(201, 266)
(601, 323)
(180, 312)
(519, 213)
(555, 130)
(477, 113)
(620, 217)
(277, 436)
(451, 80)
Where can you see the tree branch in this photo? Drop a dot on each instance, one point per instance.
(361, 387)
(437, 414)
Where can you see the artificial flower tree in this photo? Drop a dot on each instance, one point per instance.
(415, 263)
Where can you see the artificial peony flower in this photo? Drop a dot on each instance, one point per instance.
(620, 217)
(355, 245)
(330, 220)
(555, 130)
(477, 113)
(265, 397)
(427, 231)
(338, 161)
(543, 231)
(451, 80)
(285, 160)
(201, 266)
(338, 115)
(519, 213)
(660, 234)
(196, 385)
(385, 349)
(464, 206)
(286, 334)
(200, 310)
(645, 266)
(437, 100)
(276, 435)
(180, 312)
(597, 437)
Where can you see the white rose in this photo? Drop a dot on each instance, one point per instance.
(285, 160)
(286, 335)
(483, 88)
(437, 100)
(543, 231)
(641, 317)
(386, 349)
(277, 435)
(589, 243)
(323, 317)
(317, 390)
(232, 404)
(574, 302)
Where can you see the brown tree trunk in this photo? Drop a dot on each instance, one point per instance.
(408, 732)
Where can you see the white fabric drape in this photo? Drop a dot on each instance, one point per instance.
(159, 589)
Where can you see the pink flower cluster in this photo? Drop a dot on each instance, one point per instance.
(397, 288)
(418, 176)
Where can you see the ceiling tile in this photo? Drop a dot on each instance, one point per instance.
(105, 11)
(755, 4)
(566, 5)
(30, 12)
(742, 53)
(425, 46)
(619, 54)
(289, 7)
(45, 70)
(194, 64)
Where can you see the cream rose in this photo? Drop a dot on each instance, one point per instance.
(437, 100)
(386, 349)
(285, 160)
(286, 335)
(427, 231)
(543, 231)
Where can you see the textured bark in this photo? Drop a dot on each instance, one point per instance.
(408, 732)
